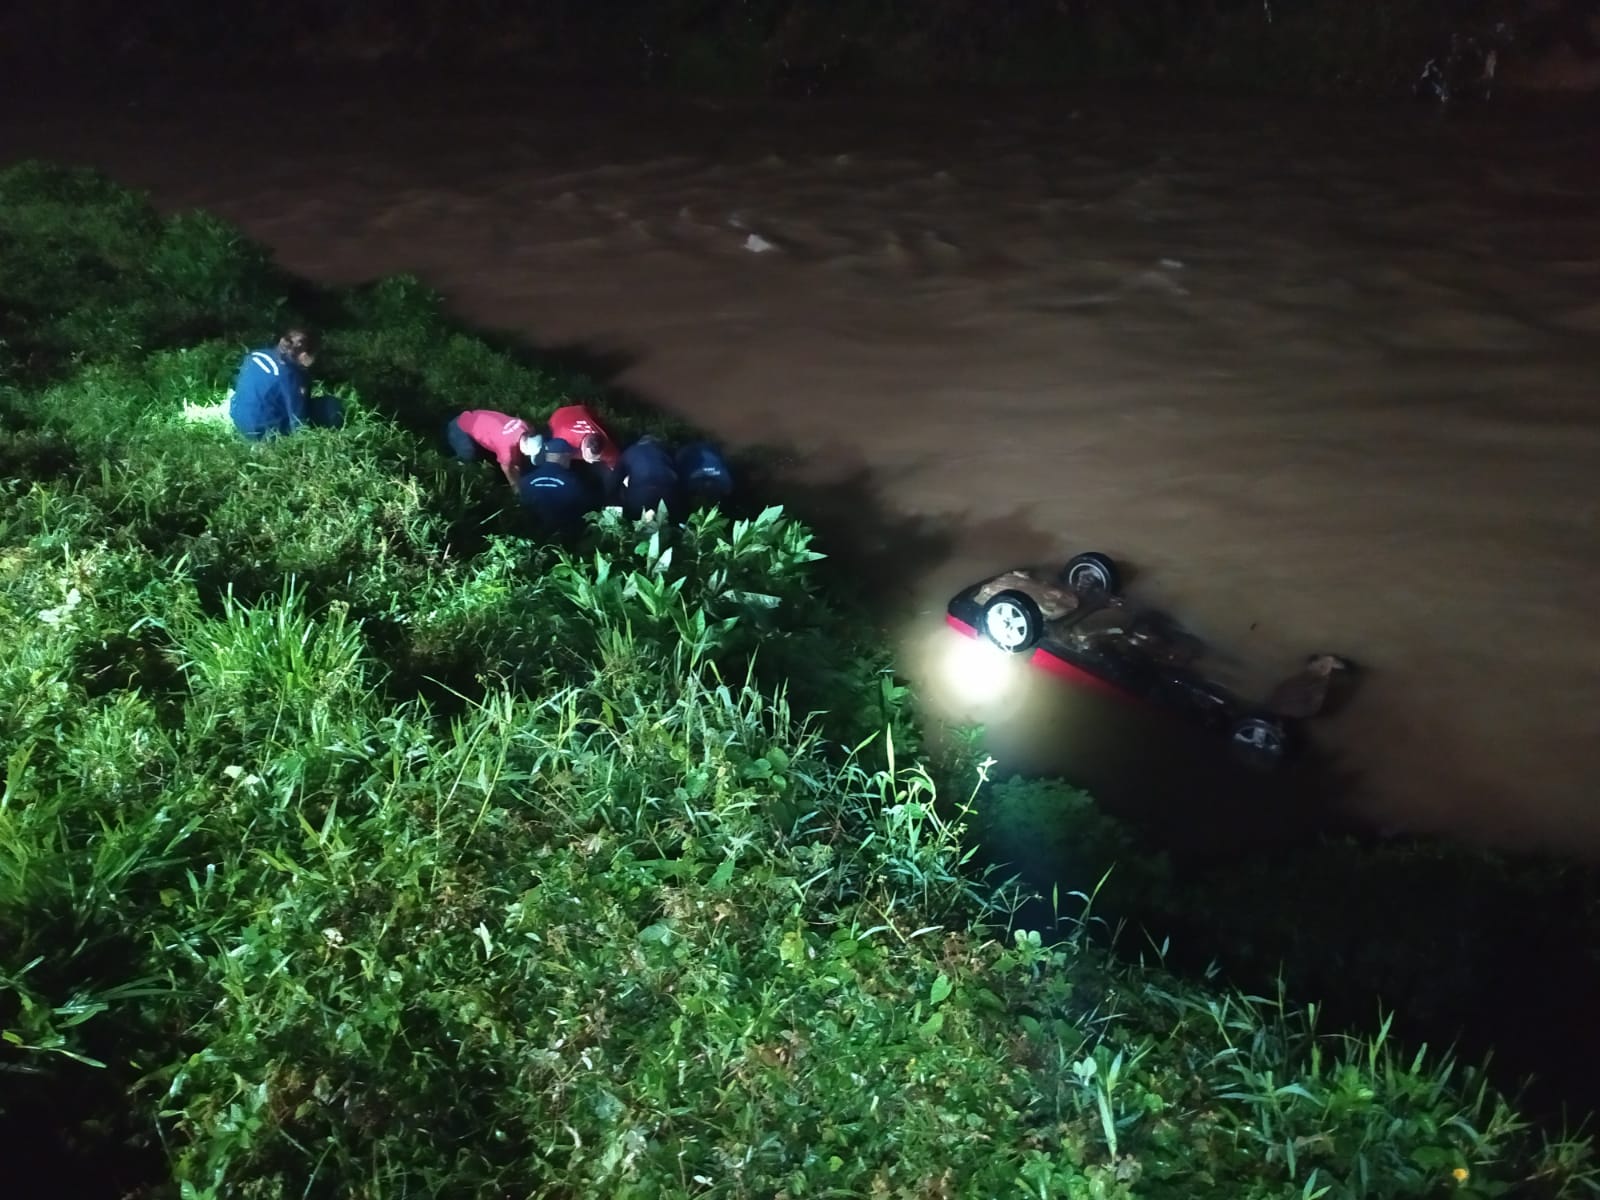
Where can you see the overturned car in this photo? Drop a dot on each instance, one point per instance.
(1079, 626)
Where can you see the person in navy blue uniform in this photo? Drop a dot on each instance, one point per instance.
(648, 478)
(557, 496)
(704, 474)
(272, 394)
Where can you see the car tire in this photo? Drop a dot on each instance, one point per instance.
(1261, 743)
(1090, 572)
(1012, 621)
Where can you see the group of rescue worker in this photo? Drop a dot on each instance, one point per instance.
(559, 474)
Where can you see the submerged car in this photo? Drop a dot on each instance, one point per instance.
(1079, 626)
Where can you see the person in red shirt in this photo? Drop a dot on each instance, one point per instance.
(598, 457)
(481, 432)
(579, 428)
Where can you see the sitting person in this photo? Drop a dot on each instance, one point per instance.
(557, 496)
(704, 473)
(649, 478)
(272, 394)
(482, 432)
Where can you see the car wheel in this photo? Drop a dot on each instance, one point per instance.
(1091, 573)
(1012, 621)
(1259, 742)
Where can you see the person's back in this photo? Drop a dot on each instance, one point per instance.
(704, 473)
(270, 394)
(484, 431)
(557, 496)
(649, 478)
(575, 424)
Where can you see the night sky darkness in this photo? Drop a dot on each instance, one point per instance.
(801, 45)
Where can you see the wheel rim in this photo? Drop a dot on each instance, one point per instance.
(1088, 575)
(1007, 625)
(1258, 739)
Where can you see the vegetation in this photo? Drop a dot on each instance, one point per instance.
(1511, 965)
(803, 45)
(353, 845)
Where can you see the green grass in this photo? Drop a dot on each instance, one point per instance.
(353, 845)
(1490, 951)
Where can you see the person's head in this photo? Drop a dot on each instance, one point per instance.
(558, 451)
(592, 447)
(298, 346)
(532, 445)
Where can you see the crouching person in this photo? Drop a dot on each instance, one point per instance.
(597, 455)
(272, 394)
(556, 496)
(483, 433)
(576, 425)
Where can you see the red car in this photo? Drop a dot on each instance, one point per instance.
(1077, 625)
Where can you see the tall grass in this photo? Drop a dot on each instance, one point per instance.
(1484, 951)
(352, 862)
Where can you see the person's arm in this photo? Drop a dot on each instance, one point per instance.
(276, 402)
(295, 387)
(512, 470)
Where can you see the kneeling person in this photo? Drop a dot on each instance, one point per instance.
(597, 453)
(557, 496)
(649, 478)
(577, 426)
(481, 432)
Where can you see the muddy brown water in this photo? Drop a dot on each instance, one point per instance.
(1326, 377)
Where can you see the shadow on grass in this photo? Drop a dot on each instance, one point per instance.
(1254, 878)
(874, 549)
(62, 1136)
(76, 1134)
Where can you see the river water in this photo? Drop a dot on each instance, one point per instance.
(1328, 378)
